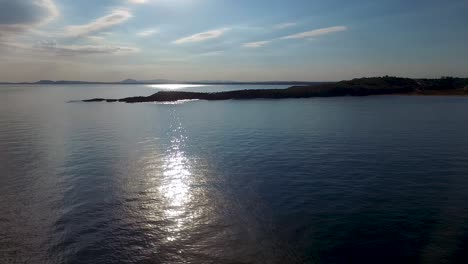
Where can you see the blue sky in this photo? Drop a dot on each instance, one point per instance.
(110, 40)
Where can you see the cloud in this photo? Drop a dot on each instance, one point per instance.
(257, 44)
(13, 45)
(284, 25)
(116, 17)
(21, 15)
(71, 50)
(308, 34)
(213, 34)
(137, 1)
(53, 48)
(147, 32)
(316, 33)
(97, 39)
(209, 53)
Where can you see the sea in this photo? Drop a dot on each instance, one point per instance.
(378, 179)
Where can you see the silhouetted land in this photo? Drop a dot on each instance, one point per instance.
(357, 87)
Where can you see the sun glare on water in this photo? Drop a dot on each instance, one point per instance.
(174, 86)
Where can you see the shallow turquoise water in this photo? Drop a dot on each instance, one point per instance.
(327, 180)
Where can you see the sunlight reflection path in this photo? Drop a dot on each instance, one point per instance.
(175, 186)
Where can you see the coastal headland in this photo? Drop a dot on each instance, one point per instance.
(356, 87)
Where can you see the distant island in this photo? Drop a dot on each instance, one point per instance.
(357, 87)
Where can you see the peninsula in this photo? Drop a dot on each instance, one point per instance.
(356, 87)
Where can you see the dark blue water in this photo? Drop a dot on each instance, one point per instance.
(331, 180)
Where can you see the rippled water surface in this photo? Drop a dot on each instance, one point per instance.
(331, 180)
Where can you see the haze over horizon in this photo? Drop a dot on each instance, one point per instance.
(300, 40)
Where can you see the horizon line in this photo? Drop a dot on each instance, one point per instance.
(167, 81)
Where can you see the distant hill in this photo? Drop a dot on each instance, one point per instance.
(129, 81)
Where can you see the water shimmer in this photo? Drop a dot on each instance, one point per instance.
(324, 180)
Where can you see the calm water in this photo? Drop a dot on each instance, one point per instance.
(333, 180)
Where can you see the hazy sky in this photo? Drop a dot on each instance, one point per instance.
(110, 40)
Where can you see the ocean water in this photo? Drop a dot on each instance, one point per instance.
(380, 179)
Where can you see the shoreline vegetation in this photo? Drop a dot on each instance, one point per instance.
(357, 87)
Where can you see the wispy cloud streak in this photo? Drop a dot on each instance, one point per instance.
(70, 50)
(316, 33)
(53, 48)
(115, 18)
(303, 35)
(284, 25)
(22, 15)
(257, 44)
(147, 32)
(204, 36)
